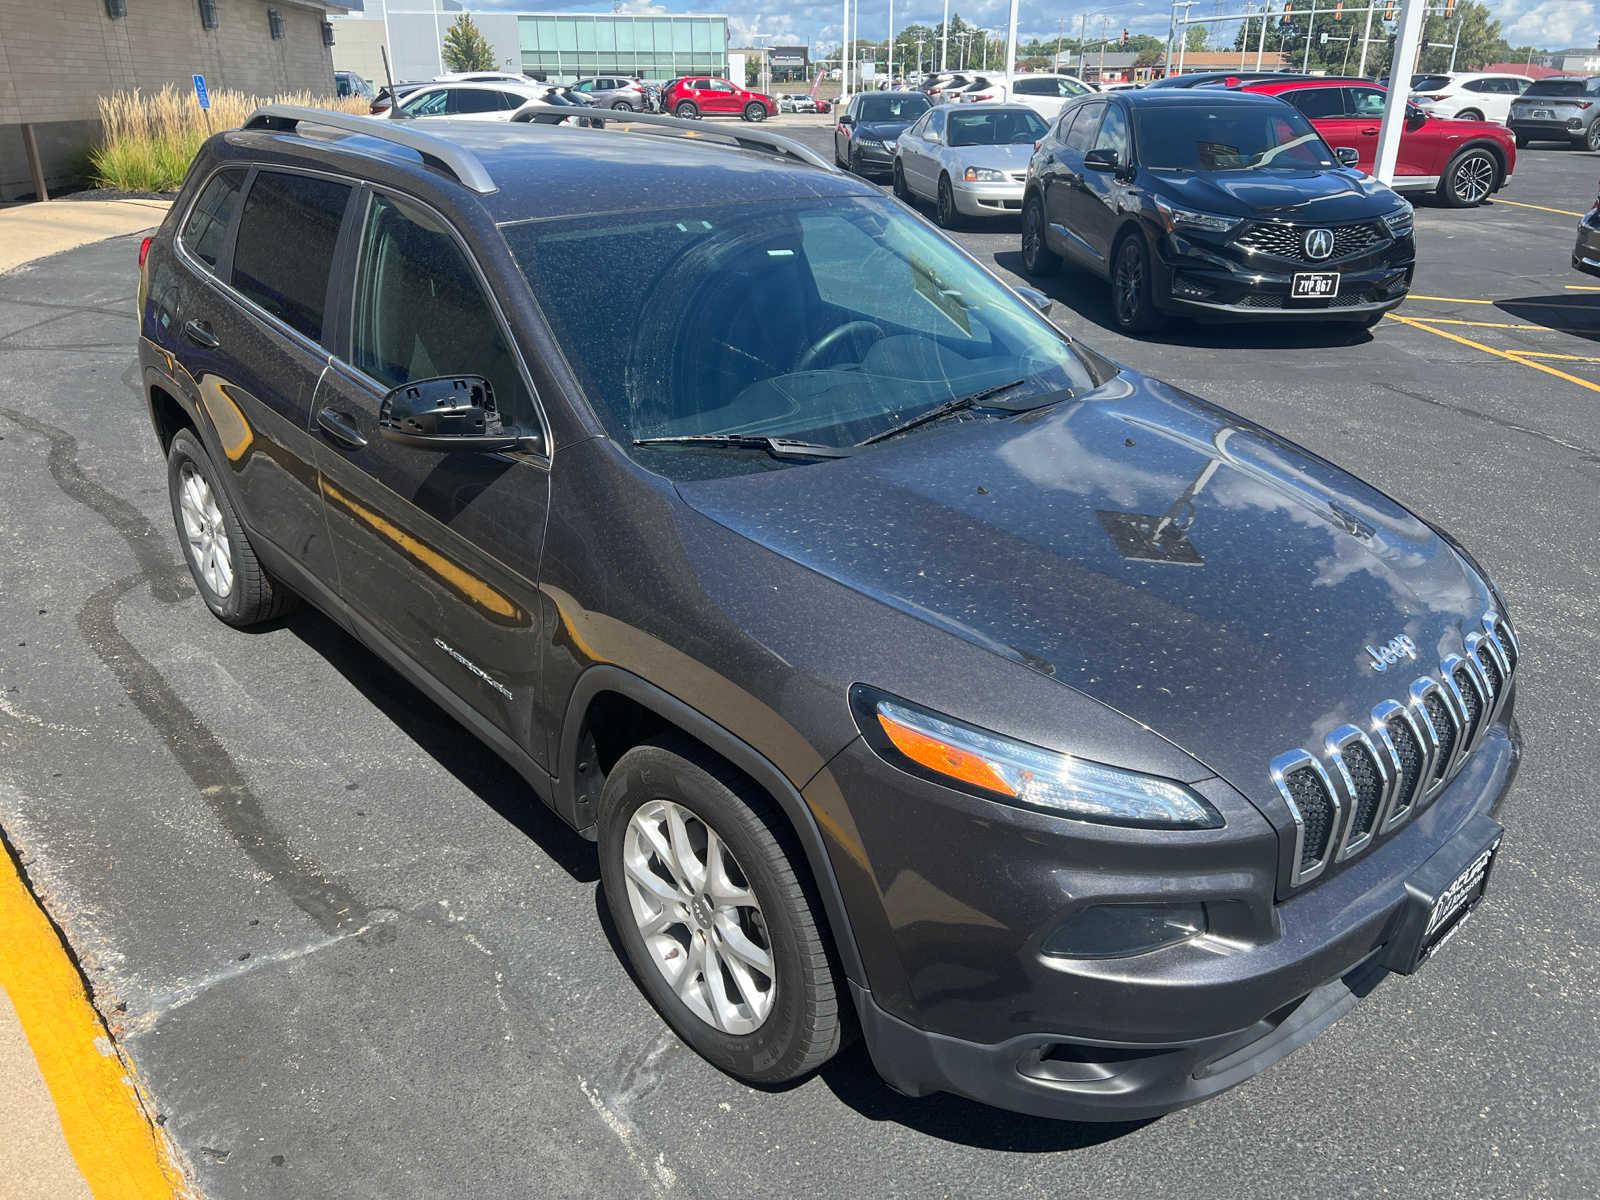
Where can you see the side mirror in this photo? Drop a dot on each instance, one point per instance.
(847, 120)
(1100, 160)
(454, 412)
(1035, 298)
(1348, 156)
(933, 136)
(1414, 116)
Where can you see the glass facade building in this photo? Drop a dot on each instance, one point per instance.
(659, 47)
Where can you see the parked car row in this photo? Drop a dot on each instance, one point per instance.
(494, 95)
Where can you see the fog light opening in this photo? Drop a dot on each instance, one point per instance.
(1120, 930)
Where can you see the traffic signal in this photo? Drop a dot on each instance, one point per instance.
(1449, 7)
(1388, 11)
(1124, 35)
(1338, 9)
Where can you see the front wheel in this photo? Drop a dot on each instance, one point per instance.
(719, 926)
(685, 110)
(1591, 139)
(900, 188)
(1469, 178)
(947, 214)
(1037, 257)
(1132, 287)
(755, 112)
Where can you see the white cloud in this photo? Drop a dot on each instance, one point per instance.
(1547, 24)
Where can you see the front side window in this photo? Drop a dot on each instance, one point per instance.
(721, 85)
(420, 311)
(284, 252)
(1113, 133)
(1366, 102)
(822, 320)
(1318, 103)
(430, 104)
(203, 233)
(1068, 87)
(1084, 127)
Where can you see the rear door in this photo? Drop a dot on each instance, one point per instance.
(438, 552)
(251, 340)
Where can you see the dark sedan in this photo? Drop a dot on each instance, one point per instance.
(869, 128)
(1216, 205)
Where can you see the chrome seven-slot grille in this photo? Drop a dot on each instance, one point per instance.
(1368, 781)
(1289, 241)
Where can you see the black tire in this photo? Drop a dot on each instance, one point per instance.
(1132, 287)
(1469, 114)
(616, 104)
(253, 596)
(1591, 136)
(900, 188)
(686, 110)
(1469, 178)
(803, 1028)
(755, 111)
(1037, 257)
(1522, 141)
(945, 210)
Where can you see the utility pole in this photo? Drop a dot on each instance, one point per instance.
(944, 39)
(1366, 36)
(1261, 42)
(891, 43)
(1172, 26)
(1311, 23)
(1055, 63)
(1455, 43)
(1105, 24)
(1183, 38)
(1082, 27)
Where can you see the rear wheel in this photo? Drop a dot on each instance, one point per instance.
(621, 104)
(1468, 179)
(685, 110)
(1132, 290)
(231, 580)
(948, 215)
(1469, 114)
(755, 112)
(721, 931)
(1037, 257)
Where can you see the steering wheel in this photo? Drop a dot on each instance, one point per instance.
(813, 353)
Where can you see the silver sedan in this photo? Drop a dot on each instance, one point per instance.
(971, 161)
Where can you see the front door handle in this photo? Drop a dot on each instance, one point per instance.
(341, 427)
(198, 332)
(1369, 133)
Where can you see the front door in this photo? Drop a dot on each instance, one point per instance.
(1064, 183)
(251, 344)
(438, 551)
(1096, 204)
(720, 97)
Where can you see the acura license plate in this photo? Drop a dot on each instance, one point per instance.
(1314, 285)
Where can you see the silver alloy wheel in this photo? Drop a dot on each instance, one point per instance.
(1474, 177)
(205, 531)
(701, 923)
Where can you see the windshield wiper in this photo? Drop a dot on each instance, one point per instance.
(778, 447)
(970, 400)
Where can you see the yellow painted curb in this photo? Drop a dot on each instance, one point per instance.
(117, 1150)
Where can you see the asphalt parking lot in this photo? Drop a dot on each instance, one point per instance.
(351, 955)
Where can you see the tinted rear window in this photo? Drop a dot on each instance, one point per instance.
(1555, 87)
(1429, 83)
(284, 253)
(208, 221)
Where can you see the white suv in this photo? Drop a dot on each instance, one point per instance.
(1045, 94)
(471, 101)
(1469, 96)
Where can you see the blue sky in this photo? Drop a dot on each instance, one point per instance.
(1551, 24)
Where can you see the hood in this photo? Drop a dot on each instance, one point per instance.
(1240, 638)
(884, 129)
(1009, 158)
(1309, 195)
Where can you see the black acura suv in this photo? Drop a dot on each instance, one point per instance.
(918, 671)
(1216, 205)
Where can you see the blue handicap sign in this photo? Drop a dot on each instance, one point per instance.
(200, 91)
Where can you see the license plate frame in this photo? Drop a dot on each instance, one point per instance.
(1442, 894)
(1542, 114)
(1314, 285)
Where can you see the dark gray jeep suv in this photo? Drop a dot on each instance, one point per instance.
(917, 670)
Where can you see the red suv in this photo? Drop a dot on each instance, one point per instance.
(707, 95)
(1463, 161)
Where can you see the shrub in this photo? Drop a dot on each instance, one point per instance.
(148, 139)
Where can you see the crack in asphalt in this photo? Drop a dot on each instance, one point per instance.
(1585, 454)
(198, 751)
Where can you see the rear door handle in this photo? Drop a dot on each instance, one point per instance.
(341, 427)
(198, 332)
(1369, 133)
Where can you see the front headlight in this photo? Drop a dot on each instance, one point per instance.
(1399, 221)
(869, 143)
(1176, 216)
(970, 759)
(984, 175)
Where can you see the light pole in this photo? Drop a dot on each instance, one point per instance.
(891, 43)
(944, 39)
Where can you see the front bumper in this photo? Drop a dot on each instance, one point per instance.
(993, 199)
(1586, 251)
(1131, 1038)
(877, 157)
(1196, 281)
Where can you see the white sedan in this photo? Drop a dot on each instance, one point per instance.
(971, 160)
(1468, 96)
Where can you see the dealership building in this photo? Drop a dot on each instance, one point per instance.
(559, 45)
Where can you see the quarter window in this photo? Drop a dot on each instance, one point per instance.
(420, 312)
(203, 233)
(1318, 103)
(284, 253)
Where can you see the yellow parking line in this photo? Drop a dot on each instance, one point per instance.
(1483, 324)
(1580, 287)
(1509, 357)
(1447, 299)
(1565, 212)
(116, 1149)
(1552, 354)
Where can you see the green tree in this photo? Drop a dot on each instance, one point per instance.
(465, 48)
(1195, 39)
(1479, 44)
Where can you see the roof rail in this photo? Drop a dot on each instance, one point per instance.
(746, 139)
(436, 151)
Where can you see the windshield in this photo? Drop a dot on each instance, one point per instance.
(997, 127)
(1199, 137)
(893, 108)
(1555, 87)
(826, 320)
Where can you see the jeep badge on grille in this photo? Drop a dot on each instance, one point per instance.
(1391, 652)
